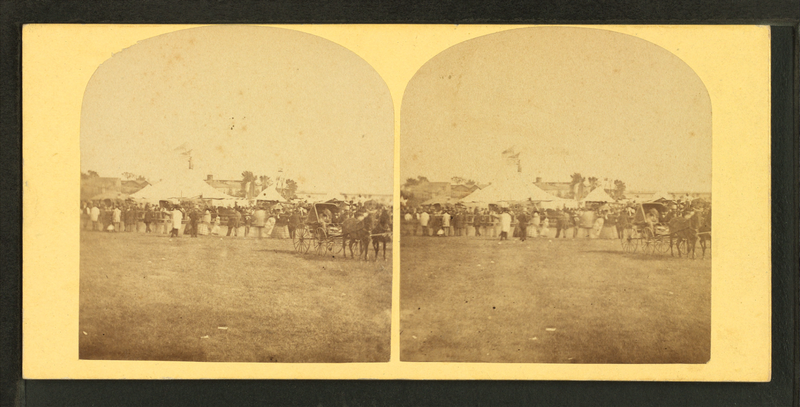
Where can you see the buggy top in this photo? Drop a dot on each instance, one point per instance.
(642, 209)
(316, 210)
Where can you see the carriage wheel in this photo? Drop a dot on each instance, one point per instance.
(321, 247)
(682, 247)
(302, 239)
(297, 238)
(627, 245)
(336, 246)
(662, 246)
(320, 241)
(357, 249)
(648, 246)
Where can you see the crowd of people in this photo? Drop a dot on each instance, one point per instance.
(605, 221)
(204, 219)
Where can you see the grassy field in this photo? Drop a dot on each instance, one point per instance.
(149, 297)
(550, 301)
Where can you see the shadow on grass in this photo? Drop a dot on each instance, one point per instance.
(313, 256)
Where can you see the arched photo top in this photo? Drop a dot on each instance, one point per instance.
(568, 100)
(241, 98)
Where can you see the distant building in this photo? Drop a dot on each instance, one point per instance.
(644, 196)
(386, 199)
(558, 189)
(310, 196)
(232, 187)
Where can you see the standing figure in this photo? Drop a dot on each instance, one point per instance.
(522, 220)
(94, 217)
(117, 218)
(215, 230)
(233, 222)
(148, 218)
(177, 219)
(194, 219)
(545, 232)
(260, 219)
(424, 219)
(536, 221)
(446, 223)
(505, 224)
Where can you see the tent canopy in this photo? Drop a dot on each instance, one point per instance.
(110, 195)
(441, 200)
(512, 188)
(598, 195)
(270, 194)
(180, 185)
(661, 195)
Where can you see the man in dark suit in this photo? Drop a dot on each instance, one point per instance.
(522, 224)
(233, 222)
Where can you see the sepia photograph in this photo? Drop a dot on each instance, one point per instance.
(236, 201)
(556, 202)
(409, 202)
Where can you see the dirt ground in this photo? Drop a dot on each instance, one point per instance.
(466, 299)
(149, 297)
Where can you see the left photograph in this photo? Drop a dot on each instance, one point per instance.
(236, 201)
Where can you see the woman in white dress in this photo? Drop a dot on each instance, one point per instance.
(269, 225)
(536, 220)
(215, 229)
(202, 229)
(598, 225)
(545, 232)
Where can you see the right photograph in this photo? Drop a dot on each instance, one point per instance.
(556, 202)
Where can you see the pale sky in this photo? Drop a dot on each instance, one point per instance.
(570, 100)
(242, 98)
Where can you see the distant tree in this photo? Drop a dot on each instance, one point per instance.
(463, 181)
(576, 186)
(289, 190)
(92, 174)
(410, 182)
(247, 183)
(141, 178)
(265, 182)
(84, 175)
(619, 189)
(129, 175)
(594, 182)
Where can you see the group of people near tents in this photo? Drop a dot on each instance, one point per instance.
(603, 221)
(184, 218)
(195, 219)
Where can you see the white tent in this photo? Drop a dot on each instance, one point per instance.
(660, 195)
(180, 185)
(270, 194)
(441, 200)
(559, 203)
(598, 195)
(512, 188)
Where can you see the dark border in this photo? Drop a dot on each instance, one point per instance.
(781, 391)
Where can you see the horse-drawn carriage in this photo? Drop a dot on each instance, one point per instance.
(648, 234)
(324, 233)
(318, 231)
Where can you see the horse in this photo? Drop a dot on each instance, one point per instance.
(382, 227)
(354, 230)
(683, 229)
